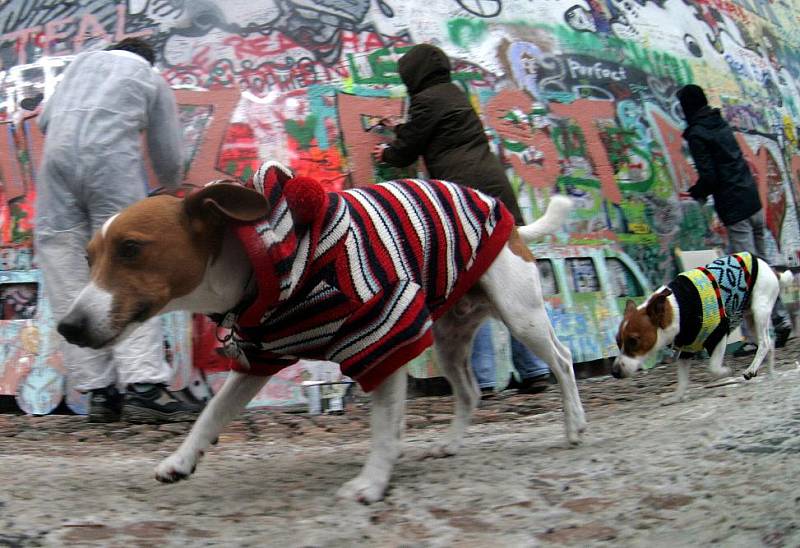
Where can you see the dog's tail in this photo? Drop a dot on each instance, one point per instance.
(786, 279)
(553, 217)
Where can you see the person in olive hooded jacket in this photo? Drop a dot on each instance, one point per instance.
(724, 174)
(445, 130)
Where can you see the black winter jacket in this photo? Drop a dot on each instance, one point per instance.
(444, 129)
(722, 169)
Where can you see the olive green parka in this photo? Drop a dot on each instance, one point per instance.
(445, 130)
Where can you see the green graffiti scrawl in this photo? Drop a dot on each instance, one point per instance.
(303, 132)
(569, 141)
(383, 68)
(466, 32)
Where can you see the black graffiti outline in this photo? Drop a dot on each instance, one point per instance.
(482, 13)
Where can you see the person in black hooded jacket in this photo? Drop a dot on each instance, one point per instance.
(445, 130)
(725, 175)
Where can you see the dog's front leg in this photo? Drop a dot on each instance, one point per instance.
(683, 383)
(717, 357)
(232, 398)
(386, 425)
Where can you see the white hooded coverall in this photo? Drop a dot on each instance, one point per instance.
(92, 168)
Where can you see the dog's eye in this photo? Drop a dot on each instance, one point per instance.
(129, 249)
(88, 260)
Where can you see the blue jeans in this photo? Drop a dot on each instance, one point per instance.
(527, 364)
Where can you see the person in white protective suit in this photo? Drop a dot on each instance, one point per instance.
(92, 168)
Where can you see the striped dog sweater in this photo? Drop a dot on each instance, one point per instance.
(361, 281)
(713, 300)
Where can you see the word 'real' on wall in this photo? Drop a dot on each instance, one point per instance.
(577, 97)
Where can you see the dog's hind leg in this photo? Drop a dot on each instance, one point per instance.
(453, 335)
(386, 425)
(232, 398)
(764, 294)
(566, 373)
(760, 327)
(512, 285)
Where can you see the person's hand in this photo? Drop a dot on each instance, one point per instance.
(694, 192)
(390, 122)
(377, 151)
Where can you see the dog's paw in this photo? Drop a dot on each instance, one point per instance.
(362, 489)
(580, 422)
(575, 427)
(672, 400)
(575, 437)
(175, 468)
(722, 372)
(443, 449)
(749, 374)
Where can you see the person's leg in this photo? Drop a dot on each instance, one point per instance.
(62, 231)
(139, 358)
(483, 364)
(757, 227)
(740, 237)
(527, 364)
(781, 320)
(61, 256)
(533, 371)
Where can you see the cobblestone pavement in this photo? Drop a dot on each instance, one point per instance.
(721, 468)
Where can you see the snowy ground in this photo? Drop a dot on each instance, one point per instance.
(721, 468)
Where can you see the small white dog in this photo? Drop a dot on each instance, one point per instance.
(355, 277)
(698, 310)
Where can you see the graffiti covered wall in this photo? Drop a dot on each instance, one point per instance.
(577, 96)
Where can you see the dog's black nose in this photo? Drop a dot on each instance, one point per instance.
(616, 371)
(73, 328)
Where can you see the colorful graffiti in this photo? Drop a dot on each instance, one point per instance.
(577, 96)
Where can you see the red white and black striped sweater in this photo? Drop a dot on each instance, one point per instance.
(359, 276)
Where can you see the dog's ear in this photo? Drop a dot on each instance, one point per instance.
(630, 307)
(227, 201)
(658, 309)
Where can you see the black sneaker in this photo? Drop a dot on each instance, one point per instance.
(532, 385)
(782, 335)
(747, 349)
(105, 404)
(153, 403)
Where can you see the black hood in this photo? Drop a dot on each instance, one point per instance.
(709, 118)
(692, 98)
(422, 67)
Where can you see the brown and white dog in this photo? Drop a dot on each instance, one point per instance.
(675, 310)
(165, 254)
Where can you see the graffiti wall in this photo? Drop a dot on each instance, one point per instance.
(577, 96)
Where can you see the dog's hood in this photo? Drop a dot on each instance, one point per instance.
(282, 246)
(359, 277)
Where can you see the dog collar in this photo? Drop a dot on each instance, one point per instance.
(227, 320)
